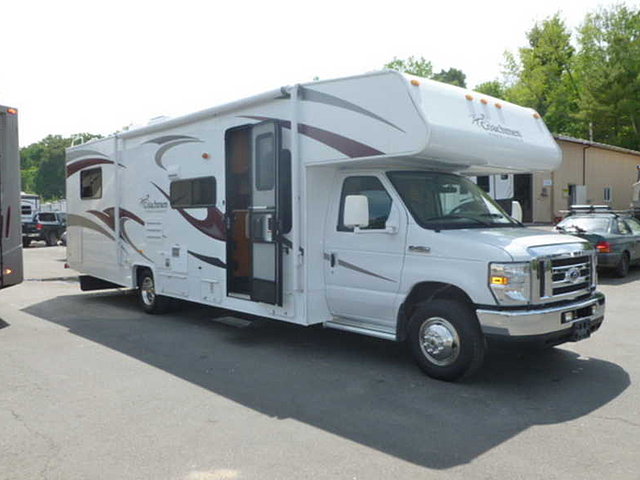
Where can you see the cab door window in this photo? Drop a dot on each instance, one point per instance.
(379, 201)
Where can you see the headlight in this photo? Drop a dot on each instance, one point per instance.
(510, 282)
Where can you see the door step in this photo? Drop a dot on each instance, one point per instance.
(355, 326)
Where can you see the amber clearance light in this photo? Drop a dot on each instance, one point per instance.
(12, 111)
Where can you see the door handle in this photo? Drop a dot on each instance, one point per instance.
(332, 260)
(419, 249)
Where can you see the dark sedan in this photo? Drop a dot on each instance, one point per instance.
(615, 236)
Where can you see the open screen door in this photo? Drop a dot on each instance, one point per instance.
(264, 216)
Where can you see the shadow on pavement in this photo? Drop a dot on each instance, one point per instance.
(608, 277)
(362, 389)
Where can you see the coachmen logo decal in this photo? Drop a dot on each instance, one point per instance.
(481, 121)
(148, 204)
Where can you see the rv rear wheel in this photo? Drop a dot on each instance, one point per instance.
(149, 300)
(446, 340)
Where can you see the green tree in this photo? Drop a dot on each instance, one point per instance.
(493, 88)
(414, 66)
(608, 66)
(43, 165)
(542, 76)
(452, 76)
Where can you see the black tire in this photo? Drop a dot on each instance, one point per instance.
(51, 239)
(622, 268)
(149, 301)
(455, 345)
(26, 242)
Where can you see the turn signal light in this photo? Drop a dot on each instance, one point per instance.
(12, 111)
(603, 247)
(39, 226)
(8, 271)
(499, 280)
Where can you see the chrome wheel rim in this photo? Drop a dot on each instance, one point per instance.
(147, 291)
(439, 341)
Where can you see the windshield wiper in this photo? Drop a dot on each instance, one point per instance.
(458, 217)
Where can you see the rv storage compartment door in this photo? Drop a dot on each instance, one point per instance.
(264, 218)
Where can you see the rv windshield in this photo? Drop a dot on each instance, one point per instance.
(446, 201)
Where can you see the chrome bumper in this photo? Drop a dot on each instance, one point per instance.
(525, 323)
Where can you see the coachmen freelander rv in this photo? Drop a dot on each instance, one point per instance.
(10, 231)
(338, 203)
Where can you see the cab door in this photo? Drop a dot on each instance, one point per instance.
(363, 267)
(264, 215)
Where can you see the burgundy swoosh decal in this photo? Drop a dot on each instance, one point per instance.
(212, 225)
(124, 213)
(89, 162)
(7, 227)
(215, 261)
(106, 217)
(349, 147)
(311, 95)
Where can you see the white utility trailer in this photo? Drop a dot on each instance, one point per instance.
(340, 203)
(10, 231)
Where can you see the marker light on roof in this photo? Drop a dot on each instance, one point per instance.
(468, 96)
(536, 115)
(483, 101)
(415, 83)
(12, 111)
(498, 105)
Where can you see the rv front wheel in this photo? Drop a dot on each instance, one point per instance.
(149, 300)
(446, 340)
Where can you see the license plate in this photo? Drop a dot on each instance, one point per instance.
(581, 330)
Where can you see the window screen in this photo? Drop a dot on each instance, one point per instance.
(193, 192)
(91, 183)
(379, 201)
(265, 162)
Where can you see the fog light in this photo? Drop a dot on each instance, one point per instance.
(568, 316)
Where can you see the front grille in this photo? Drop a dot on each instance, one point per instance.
(565, 276)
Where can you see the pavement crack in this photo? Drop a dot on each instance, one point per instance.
(53, 448)
(618, 419)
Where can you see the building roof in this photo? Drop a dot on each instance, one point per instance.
(596, 144)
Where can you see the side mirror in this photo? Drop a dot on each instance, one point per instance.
(516, 211)
(356, 211)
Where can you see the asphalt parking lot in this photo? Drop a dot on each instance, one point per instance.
(90, 387)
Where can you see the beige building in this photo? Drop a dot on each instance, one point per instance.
(591, 173)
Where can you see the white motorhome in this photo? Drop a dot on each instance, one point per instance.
(340, 203)
(29, 206)
(10, 231)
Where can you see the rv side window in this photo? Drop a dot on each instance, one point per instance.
(265, 162)
(26, 209)
(91, 183)
(379, 201)
(193, 192)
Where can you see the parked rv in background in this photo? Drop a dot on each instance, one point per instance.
(10, 231)
(339, 203)
(29, 206)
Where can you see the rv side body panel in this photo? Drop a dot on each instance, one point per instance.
(11, 271)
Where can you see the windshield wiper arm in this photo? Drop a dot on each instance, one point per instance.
(458, 217)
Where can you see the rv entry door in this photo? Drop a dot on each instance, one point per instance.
(264, 215)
